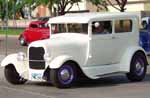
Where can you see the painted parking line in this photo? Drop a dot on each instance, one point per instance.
(28, 92)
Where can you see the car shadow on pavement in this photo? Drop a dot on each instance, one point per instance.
(147, 78)
(109, 81)
(102, 82)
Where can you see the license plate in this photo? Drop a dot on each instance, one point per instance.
(36, 76)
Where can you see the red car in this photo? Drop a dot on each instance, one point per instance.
(37, 30)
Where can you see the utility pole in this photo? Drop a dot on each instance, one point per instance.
(6, 20)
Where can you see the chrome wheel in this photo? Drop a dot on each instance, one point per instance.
(139, 67)
(65, 74)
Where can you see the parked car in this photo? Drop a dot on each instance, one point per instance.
(93, 44)
(145, 22)
(145, 35)
(37, 30)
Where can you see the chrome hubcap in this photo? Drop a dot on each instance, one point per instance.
(139, 68)
(65, 75)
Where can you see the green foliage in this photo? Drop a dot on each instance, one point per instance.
(2, 9)
(60, 6)
(11, 31)
(16, 6)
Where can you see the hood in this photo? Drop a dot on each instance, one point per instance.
(63, 40)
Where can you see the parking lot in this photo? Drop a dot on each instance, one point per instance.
(110, 87)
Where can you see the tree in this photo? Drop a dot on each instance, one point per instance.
(22, 4)
(2, 9)
(4, 13)
(61, 6)
(100, 4)
(103, 4)
(121, 4)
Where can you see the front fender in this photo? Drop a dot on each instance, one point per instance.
(127, 57)
(10, 59)
(21, 66)
(59, 61)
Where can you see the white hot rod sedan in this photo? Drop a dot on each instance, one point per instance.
(93, 44)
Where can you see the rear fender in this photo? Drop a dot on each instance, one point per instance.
(127, 57)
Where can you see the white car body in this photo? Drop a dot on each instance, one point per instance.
(96, 55)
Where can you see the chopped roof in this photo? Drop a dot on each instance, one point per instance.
(86, 17)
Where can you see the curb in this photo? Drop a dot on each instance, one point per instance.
(1, 35)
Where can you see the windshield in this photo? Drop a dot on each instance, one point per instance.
(70, 28)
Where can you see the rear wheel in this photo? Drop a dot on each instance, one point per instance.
(63, 77)
(138, 67)
(12, 75)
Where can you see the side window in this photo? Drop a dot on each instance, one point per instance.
(33, 26)
(43, 25)
(123, 26)
(102, 27)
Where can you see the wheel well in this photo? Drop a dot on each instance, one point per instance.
(79, 70)
(140, 51)
(75, 64)
(10, 65)
(80, 73)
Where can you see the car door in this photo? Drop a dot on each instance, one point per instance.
(102, 44)
(123, 37)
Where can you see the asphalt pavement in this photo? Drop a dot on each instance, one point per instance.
(110, 87)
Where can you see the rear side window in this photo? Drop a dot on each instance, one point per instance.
(123, 26)
(43, 25)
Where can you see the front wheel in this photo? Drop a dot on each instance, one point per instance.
(138, 67)
(12, 75)
(64, 76)
(22, 41)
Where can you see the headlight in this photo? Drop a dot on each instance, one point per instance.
(47, 57)
(21, 56)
